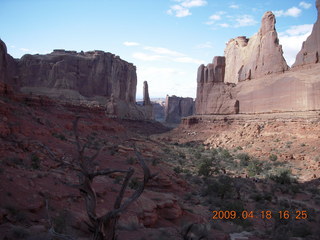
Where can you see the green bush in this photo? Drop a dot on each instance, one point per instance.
(35, 161)
(177, 169)
(282, 177)
(220, 187)
(205, 167)
(273, 157)
(134, 183)
(244, 159)
(254, 168)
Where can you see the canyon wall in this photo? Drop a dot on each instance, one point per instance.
(213, 95)
(255, 57)
(93, 77)
(178, 107)
(256, 77)
(311, 47)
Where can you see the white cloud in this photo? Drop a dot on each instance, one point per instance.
(164, 80)
(305, 5)
(179, 11)
(182, 9)
(24, 49)
(292, 39)
(189, 60)
(146, 57)
(130, 44)
(224, 25)
(215, 17)
(164, 51)
(205, 45)
(245, 20)
(234, 6)
(193, 3)
(298, 30)
(164, 54)
(291, 12)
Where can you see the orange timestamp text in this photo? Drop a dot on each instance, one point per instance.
(284, 214)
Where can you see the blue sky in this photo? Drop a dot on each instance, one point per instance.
(165, 39)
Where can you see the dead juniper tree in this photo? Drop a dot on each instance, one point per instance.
(102, 227)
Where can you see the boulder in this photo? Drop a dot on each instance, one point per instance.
(255, 57)
(311, 47)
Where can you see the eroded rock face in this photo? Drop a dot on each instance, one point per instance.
(7, 65)
(178, 107)
(311, 47)
(213, 95)
(255, 57)
(91, 78)
(146, 98)
(94, 73)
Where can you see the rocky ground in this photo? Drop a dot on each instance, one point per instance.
(226, 165)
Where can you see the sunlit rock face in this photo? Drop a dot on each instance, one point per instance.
(311, 47)
(257, 56)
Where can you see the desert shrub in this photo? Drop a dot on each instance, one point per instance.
(35, 161)
(205, 167)
(134, 183)
(155, 161)
(225, 154)
(273, 157)
(59, 136)
(244, 159)
(220, 187)
(177, 169)
(282, 177)
(254, 168)
(182, 155)
(197, 155)
(131, 160)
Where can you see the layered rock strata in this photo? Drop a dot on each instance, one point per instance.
(255, 57)
(178, 107)
(93, 77)
(213, 95)
(273, 87)
(311, 47)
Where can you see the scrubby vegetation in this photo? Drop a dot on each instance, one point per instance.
(233, 180)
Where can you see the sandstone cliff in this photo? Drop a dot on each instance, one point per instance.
(8, 66)
(213, 95)
(178, 107)
(255, 57)
(311, 47)
(272, 86)
(93, 77)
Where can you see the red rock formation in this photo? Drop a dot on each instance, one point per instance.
(94, 73)
(311, 47)
(178, 107)
(146, 98)
(93, 78)
(255, 57)
(7, 64)
(213, 95)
